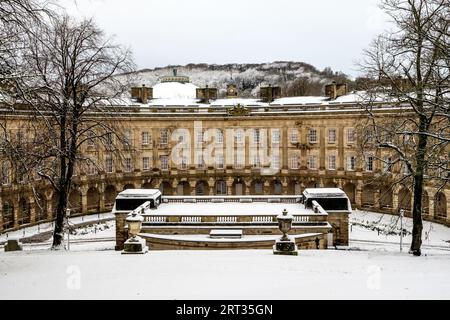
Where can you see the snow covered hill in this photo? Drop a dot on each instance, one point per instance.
(247, 77)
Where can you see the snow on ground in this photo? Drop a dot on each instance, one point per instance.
(48, 226)
(253, 274)
(370, 226)
(370, 268)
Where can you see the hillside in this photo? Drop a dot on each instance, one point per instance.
(295, 78)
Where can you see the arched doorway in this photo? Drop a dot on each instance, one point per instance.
(404, 199)
(183, 188)
(257, 187)
(74, 201)
(110, 196)
(221, 188)
(440, 206)
(349, 189)
(93, 199)
(24, 211)
(238, 187)
(277, 187)
(386, 198)
(147, 185)
(201, 188)
(8, 214)
(368, 196)
(166, 188)
(128, 186)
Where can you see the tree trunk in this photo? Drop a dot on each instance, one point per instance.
(58, 234)
(418, 191)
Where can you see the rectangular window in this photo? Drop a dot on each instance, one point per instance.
(256, 136)
(183, 164)
(164, 162)
(109, 165)
(332, 136)
(145, 163)
(164, 137)
(200, 162)
(294, 136)
(145, 138)
(199, 135)
(238, 161)
(239, 136)
(219, 136)
(220, 161)
(369, 163)
(276, 162)
(351, 163)
(332, 162)
(256, 161)
(128, 165)
(351, 135)
(312, 162)
(312, 135)
(276, 136)
(293, 162)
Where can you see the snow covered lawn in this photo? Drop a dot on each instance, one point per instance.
(254, 274)
(370, 268)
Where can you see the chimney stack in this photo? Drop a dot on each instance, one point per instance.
(335, 90)
(268, 94)
(206, 94)
(142, 94)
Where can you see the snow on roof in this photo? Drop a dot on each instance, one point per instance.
(324, 192)
(299, 100)
(174, 102)
(139, 192)
(235, 101)
(175, 90)
(229, 209)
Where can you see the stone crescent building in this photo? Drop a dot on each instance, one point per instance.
(305, 142)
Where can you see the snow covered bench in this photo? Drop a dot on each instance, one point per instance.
(229, 234)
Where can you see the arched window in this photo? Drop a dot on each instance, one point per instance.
(221, 187)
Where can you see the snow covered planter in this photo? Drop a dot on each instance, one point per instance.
(285, 245)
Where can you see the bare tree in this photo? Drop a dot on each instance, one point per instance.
(17, 19)
(68, 97)
(409, 68)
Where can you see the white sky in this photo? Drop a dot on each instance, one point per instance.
(168, 32)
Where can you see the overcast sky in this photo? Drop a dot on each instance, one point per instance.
(168, 32)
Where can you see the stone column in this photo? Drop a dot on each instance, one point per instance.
(16, 211)
(32, 205)
(101, 191)
(84, 206)
(341, 154)
(322, 148)
(192, 184)
(358, 193)
(376, 199)
(284, 149)
(211, 185)
(229, 186)
(247, 184)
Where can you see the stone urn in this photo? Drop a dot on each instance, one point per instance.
(285, 245)
(134, 244)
